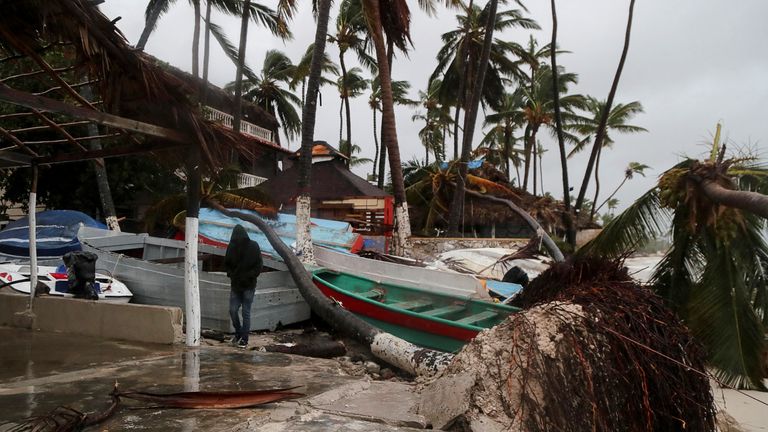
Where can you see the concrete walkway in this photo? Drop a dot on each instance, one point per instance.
(41, 371)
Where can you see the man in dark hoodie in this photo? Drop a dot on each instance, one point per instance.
(243, 264)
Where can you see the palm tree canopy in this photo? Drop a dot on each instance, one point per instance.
(353, 85)
(301, 71)
(713, 275)
(617, 121)
(266, 91)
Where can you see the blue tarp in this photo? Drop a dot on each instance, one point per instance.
(56, 232)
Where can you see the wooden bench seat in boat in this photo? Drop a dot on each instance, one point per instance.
(410, 305)
(372, 294)
(445, 310)
(477, 317)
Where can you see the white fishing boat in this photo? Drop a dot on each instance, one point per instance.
(16, 276)
(153, 268)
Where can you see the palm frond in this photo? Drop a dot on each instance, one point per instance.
(644, 220)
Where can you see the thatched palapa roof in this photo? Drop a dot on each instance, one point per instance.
(72, 67)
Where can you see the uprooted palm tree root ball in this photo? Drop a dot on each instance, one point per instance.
(591, 351)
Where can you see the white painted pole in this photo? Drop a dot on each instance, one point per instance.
(32, 248)
(191, 283)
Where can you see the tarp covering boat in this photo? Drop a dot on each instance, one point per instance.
(216, 228)
(56, 234)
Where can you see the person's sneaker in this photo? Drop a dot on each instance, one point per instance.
(234, 340)
(242, 344)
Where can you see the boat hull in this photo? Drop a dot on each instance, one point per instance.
(434, 320)
(276, 301)
(416, 330)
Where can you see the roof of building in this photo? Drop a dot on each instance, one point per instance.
(322, 148)
(330, 180)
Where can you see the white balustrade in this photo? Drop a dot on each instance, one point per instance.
(245, 127)
(249, 180)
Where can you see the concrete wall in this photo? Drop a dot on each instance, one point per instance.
(426, 247)
(142, 323)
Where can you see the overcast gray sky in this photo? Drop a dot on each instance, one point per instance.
(691, 64)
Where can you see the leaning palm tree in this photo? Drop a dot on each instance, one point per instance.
(714, 274)
(617, 121)
(269, 90)
(350, 84)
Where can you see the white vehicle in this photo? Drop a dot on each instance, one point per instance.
(17, 277)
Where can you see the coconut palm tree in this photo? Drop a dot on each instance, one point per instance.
(508, 117)
(301, 72)
(714, 274)
(458, 59)
(350, 84)
(538, 111)
(400, 91)
(601, 129)
(275, 21)
(353, 150)
(629, 173)
(269, 90)
(617, 121)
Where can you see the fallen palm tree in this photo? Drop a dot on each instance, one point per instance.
(393, 350)
(210, 400)
(592, 351)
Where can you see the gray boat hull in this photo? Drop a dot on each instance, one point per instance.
(277, 300)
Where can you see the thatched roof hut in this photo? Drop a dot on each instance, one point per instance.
(71, 67)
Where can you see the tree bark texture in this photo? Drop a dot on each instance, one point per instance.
(753, 202)
(206, 54)
(308, 116)
(149, 27)
(196, 41)
(191, 277)
(388, 123)
(345, 102)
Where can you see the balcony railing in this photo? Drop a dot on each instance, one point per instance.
(245, 127)
(249, 180)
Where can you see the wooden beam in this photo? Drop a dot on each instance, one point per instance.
(35, 73)
(16, 141)
(46, 104)
(18, 158)
(103, 153)
(58, 129)
(37, 128)
(76, 139)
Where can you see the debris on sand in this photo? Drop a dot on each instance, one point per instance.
(592, 351)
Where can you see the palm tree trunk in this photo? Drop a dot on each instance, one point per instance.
(470, 118)
(345, 101)
(567, 218)
(308, 115)
(526, 155)
(196, 41)
(612, 194)
(206, 54)
(752, 202)
(404, 355)
(388, 124)
(149, 27)
(383, 153)
(507, 145)
(535, 156)
(541, 169)
(597, 187)
(237, 114)
(191, 276)
(375, 143)
(600, 133)
(341, 120)
(442, 145)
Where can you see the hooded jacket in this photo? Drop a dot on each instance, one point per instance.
(243, 260)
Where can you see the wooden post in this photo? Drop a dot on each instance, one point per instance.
(32, 238)
(191, 277)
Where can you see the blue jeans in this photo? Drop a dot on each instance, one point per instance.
(242, 299)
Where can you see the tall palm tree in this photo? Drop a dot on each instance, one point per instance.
(269, 90)
(437, 116)
(629, 172)
(713, 275)
(301, 72)
(400, 91)
(308, 114)
(461, 52)
(508, 117)
(538, 111)
(350, 84)
(617, 121)
(601, 129)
